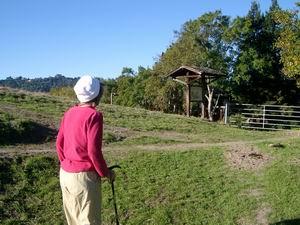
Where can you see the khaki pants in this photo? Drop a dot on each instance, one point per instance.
(81, 197)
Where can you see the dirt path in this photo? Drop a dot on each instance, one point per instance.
(50, 148)
(195, 146)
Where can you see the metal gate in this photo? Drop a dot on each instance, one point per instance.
(263, 117)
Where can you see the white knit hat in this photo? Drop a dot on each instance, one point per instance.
(87, 88)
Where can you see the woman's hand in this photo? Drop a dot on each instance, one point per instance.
(111, 176)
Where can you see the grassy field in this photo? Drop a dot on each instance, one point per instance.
(199, 173)
(128, 124)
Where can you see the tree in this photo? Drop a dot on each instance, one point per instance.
(140, 82)
(173, 97)
(199, 43)
(212, 105)
(244, 36)
(289, 42)
(124, 91)
(38, 84)
(127, 71)
(110, 86)
(255, 75)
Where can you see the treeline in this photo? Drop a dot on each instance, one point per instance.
(259, 53)
(38, 84)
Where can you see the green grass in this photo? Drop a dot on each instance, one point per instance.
(200, 130)
(49, 106)
(29, 191)
(196, 186)
(189, 187)
(14, 130)
(53, 108)
(282, 180)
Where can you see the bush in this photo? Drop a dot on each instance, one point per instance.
(237, 120)
(63, 92)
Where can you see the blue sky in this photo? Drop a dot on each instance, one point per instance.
(41, 38)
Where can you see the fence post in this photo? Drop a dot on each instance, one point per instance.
(264, 113)
(226, 113)
(111, 98)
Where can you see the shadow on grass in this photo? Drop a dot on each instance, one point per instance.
(287, 222)
(26, 132)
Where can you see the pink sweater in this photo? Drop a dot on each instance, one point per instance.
(79, 141)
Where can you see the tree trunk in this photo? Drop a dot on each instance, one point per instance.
(210, 92)
(211, 109)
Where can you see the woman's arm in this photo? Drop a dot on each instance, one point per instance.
(60, 142)
(94, 145)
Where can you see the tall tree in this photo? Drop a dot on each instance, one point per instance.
(199, 43)
(256, 69)
(289, 42)
(244, 35)
(124, 91)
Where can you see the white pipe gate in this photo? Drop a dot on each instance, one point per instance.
(262, 117)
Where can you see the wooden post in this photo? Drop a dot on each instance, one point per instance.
(226, 114)
(188, 99)
(203, 105)
(111, 98)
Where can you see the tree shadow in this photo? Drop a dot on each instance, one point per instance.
(287, 222)
(26, 132)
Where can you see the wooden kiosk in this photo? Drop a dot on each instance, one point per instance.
(196, 81)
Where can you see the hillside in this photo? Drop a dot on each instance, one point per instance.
(38, 84)
(175, 170)
(123, 125)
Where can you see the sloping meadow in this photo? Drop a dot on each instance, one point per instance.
(204, 185)
(45, 111)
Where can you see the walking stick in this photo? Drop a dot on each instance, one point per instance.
(113, 193)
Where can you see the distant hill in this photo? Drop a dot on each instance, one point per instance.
(38, 84)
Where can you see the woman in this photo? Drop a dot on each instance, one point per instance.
(82, 164)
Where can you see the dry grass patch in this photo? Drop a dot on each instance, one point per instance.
(245, 157)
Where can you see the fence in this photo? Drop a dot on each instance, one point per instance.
(262, 117)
